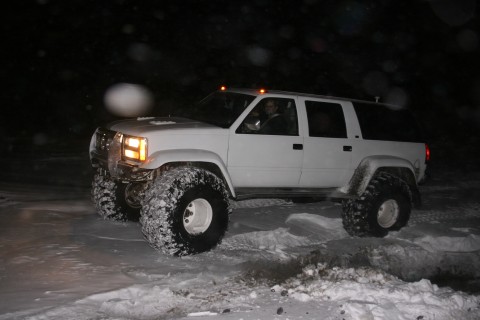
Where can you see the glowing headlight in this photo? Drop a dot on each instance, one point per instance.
(135, 148)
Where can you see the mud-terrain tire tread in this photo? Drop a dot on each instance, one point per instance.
(165, 201)
(108, 197)
(360, 215)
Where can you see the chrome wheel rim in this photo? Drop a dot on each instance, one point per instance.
(197, 216)
(388, 213)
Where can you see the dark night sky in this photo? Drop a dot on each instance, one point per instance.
(59, 57)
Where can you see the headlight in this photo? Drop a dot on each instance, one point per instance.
(134, 148)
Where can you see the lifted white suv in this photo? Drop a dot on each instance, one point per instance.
(178, 175)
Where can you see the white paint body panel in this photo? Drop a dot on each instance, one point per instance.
(325, 163)
(414, 153)
(264, 160)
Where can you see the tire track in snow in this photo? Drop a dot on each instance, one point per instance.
(450, 213)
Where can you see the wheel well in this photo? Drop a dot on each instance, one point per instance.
(403, 173)
(406, 175)
(213, 168)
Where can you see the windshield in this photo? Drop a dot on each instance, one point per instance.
(220, 108)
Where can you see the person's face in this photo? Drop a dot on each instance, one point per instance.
(270, 108)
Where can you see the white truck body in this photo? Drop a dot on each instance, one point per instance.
(177, 175)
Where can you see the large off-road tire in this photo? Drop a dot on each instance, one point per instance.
(384, 206)
(113, 200)
(185, 211)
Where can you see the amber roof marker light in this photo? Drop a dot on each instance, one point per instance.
(223, 88)
(262, 91)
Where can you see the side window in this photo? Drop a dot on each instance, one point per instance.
(379, 122)
(272, 116)
(325, 119)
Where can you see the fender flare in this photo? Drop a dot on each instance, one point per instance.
(191, 156)
(369, 166)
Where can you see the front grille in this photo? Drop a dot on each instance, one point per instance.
(105, 150)
(103, 140)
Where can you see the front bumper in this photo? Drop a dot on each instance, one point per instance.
(106, 154)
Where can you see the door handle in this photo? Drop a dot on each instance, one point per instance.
(347, 148)
(297, 146)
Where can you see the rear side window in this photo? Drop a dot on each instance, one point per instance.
(379, 122)
(325, 119)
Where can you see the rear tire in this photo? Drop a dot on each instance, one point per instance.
(384, 206)
(185, 211)
(113, 200)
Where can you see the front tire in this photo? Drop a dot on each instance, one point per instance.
(185, 211)
(384, 206)
(114, 200)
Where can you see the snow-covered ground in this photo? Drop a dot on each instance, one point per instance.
(279, 260)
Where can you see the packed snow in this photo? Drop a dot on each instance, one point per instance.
(278, 260)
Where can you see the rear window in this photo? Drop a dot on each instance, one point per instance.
(379, 122)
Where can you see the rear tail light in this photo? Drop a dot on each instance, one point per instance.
(427, 153)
